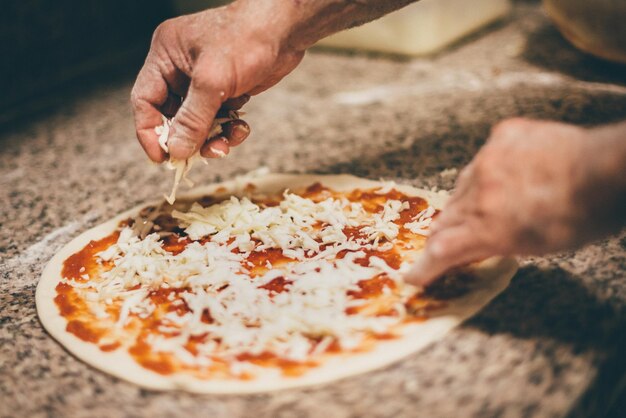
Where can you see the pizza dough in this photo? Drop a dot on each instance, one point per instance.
(492, 277)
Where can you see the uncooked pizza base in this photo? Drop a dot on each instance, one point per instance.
(493, 276)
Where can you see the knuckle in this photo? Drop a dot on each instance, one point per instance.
(482, 168)
(492, 156)
(165, 29)
(209, 77)
(135, 97)
(486, 201)
(202, 79)
(509, 126)
(437, 248)
(466, 176)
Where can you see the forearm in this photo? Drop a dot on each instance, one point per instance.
(301, 23)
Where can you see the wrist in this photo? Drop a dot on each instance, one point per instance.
(604, 184)
(298, 24)
(270, 22)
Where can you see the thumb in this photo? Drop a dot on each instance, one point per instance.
(427, 267)
(191, 124)
(444, 250)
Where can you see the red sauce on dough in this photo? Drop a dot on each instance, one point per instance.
(260, 258)
(175, 244)
(288, 367)
(161, 298)
(277, 285)
(392, 257)
(110, 347)
(66, 300)
(317, 192)
(354, 232)
(84, 260)
(158, 362)
(73, 308)
(373, 287)
(416, 205)
(84, 331)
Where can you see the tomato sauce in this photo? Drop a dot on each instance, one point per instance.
(257, 262)
(317, 192)
(110, 347)
(277, 285)
(416, 205)
(158, 362)
(84, 260)
(370, 288)
(175, 244)
(289, 367)
(84, 331)
(273, 255)
(354, 232)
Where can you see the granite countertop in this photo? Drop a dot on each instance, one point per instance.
(552, 344)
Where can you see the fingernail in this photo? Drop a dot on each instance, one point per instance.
(218, 152)
(240, 132)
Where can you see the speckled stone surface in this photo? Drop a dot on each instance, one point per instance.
(553, 344)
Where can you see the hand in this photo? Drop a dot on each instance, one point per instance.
(201, 64)
(535, 187)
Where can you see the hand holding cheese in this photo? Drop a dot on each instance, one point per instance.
(535, 187)
(214, 59)
(198, 65)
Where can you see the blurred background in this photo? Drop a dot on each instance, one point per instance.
(47, 45)
(52, 47)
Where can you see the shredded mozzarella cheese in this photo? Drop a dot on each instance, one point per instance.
(246, 317)
(421, 221)
(182, 167)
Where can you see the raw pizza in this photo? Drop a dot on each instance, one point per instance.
(257, 285)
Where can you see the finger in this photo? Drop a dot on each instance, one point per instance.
(450, 248)
(464, 183)
(457, 208)
(215, 148)
(191, 125)
(149, 93)
(450, 217)
(235, 131)
(236, 103)
(457, 211)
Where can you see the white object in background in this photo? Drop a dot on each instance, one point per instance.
(422, 27)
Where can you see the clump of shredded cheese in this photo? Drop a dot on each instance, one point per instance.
(290, 226)
(246, 317)
(182, 167)
(422, 221)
